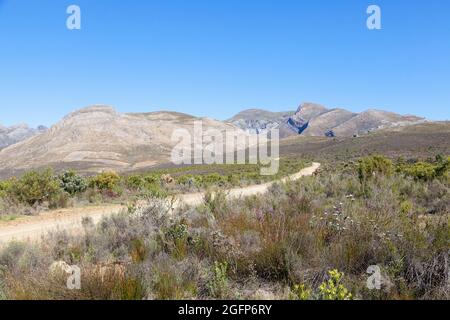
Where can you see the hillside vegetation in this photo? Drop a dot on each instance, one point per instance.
(310, 239)
(40, 190)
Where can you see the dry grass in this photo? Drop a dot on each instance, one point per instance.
(258, 247)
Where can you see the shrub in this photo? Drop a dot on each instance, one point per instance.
(406, 207)
(213, 179)
(333, 289)
(218, 284)
(106, 181)
(426, 171)
(421, 171)
(369, 166)
(72, 183)
(36, 187)
(187, 180)
(443, 167)
(155, 191)
(152, 179)
(167, 286)
(5, 187)
(300, 292)
(136, 182)
(176, 237)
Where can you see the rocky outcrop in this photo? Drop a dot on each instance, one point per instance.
(261, 121)
(17, 133)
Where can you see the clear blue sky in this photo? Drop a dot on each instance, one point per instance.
(217, 57)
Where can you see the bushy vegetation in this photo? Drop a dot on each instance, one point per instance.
(426, 171)
(72, 183)
(41, 190)
(106, 181)
(310, 239)
(35, 187)
(371, 166)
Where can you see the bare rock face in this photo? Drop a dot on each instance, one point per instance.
(313, 119)
(309, 111)
(100, 138)
(261, 121)
(17, 133)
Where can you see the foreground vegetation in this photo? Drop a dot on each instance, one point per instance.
(37, 191)
(310, 239)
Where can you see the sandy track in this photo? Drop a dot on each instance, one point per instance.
(33, 228)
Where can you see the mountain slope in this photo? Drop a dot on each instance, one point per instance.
(313, 119)
(260, 121)
(327, 121)
(17, 133)
(100, 138)
(372, 120)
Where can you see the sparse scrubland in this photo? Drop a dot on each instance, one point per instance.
(40, 190)
(310, 239)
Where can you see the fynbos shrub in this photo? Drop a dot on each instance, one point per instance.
(333, 289)
(72, 183)
(106, 181)
(370, 166)
(36, 187)
(218, 284)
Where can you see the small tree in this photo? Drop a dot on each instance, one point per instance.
(36, 187)
(106, 181)
(370, 166)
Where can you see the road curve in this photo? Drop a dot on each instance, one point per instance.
(33, 228)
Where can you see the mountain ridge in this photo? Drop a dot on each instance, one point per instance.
(312, 119)
(98, 137)
(16, 133)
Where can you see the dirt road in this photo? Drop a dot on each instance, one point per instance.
(33, 228)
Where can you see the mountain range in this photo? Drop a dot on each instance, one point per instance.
(312, 119)
(17, 133)
(99, 138)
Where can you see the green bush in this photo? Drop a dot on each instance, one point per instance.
(443, 168)
(176, 240)
(426, 171)
(152, 179)
(218, 284)
(5, 187)
(36, 187)
(106, 181)
(136, 182)
(72, 183)
(213, 179)
(187, 179)
(300, 292)
(333, 289)
(421, 171)
(370, 166)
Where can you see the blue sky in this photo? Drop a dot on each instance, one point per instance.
(216, 57)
